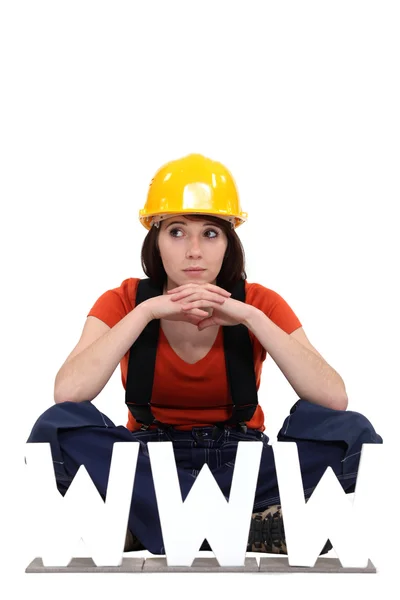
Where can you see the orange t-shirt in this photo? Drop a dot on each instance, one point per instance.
(194, 395)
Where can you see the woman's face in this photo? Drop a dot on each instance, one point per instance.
(185, 243)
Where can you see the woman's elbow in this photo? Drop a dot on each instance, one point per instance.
(343, 403)
(61, 394)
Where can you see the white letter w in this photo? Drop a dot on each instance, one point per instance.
(81, 513)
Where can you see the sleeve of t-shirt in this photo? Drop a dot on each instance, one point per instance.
(109, 308)
(116, 303)
(274, 306)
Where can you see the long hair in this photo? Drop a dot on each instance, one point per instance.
(232, 268)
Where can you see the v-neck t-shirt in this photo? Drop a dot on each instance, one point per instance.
(194, 395)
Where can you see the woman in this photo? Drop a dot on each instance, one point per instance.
(191, 340)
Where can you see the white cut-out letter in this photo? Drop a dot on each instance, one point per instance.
(328, 513)
(82, 513)
(205, 513)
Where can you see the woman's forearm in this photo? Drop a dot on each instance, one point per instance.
(310, 376)
(85, 375)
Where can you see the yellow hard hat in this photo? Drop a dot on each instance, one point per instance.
(192, 185)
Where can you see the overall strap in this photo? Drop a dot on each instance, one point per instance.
(142, 360)
(240, 370)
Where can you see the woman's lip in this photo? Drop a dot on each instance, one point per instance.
(194, 270)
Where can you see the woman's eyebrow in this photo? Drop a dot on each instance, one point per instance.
(176, 223)
(182, 223)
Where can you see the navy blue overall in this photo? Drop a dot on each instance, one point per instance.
(79, 434)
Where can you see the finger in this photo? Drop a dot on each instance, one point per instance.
(183, 294)
(193, 319)
(204, 323)
(198, 293)
(207, 286)
(184, 287)
(201, 304)
(202, 295)
(217, 289)
(180, 293)
(195, 311)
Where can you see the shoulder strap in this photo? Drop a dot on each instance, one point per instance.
(142, 360)
(240, 368)
(238, 358)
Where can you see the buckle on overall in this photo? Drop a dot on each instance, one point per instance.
(216, 431)
(162, 426)
(242, 427)
(158, 424)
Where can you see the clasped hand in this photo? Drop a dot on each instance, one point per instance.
(222, 309)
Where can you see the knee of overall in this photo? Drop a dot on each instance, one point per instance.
(67, 415)
(362, 427)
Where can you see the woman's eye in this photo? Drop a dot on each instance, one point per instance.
(174, 231)
(212, 231)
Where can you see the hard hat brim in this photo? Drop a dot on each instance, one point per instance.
(148, 220)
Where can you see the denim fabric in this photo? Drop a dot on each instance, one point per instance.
(79, 434)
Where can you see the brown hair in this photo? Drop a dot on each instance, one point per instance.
(233, 265)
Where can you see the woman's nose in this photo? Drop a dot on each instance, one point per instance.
(193, 247)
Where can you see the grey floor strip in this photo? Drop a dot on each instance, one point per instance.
(322, 565)
(205, 565)
(86, 565)
(277, 564)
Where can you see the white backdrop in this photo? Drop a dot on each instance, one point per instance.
(299, 100)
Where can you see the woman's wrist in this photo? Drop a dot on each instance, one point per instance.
(144, 311)
(252, 317)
